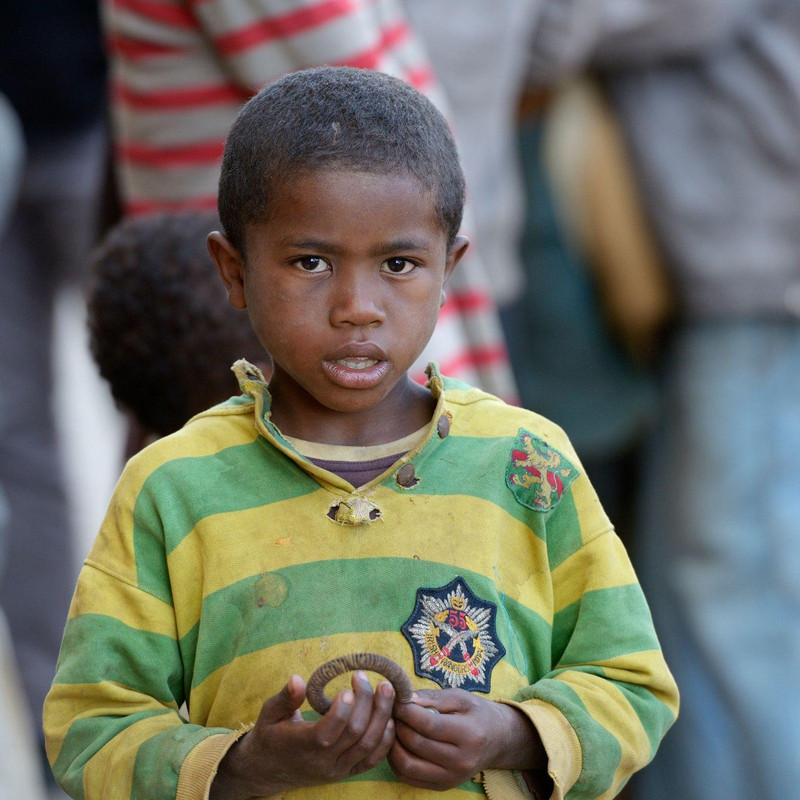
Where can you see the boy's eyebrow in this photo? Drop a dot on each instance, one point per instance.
(420, 245)
(309, 244)
(391, 246)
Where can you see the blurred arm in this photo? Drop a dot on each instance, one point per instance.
(572, 35)
(640, 32)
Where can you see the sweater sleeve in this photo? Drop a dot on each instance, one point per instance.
(181, 69)
(644, 32)
(112, 720)
(112, 716)
(257, 41)
(572, 35)
(609, 698)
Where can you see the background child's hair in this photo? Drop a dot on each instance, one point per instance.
(161, 329)
(336, 118)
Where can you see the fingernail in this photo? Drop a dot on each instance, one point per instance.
(414, 697)
(362, 676)
(347, 697)
(390, 724)
(386, 689)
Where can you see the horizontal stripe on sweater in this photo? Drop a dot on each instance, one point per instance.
(141, 207)
(285, 25)
(161, 520)
(133, 49)
(292, 604)
(172, 14)
(184, 97)
(176, 156)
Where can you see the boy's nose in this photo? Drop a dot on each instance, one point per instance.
(356, 302)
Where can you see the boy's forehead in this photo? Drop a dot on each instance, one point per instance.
(330, 202)
(351, 183)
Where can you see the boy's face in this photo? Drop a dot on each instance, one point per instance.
(343, 284)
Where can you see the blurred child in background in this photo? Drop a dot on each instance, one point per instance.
(162, 331)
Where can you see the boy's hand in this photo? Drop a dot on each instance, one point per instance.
(283, 751)
(446, 737)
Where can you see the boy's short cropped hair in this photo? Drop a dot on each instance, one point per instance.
(336, 118)
(161, 329)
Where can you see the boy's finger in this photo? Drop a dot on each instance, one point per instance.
(424, 696)
(380, 752)
(328, 729)
(437, 752)
(414, 770)
(376, 728)
(439, 727)
(382, 705)
(445, 701)
(282, 705)
(359, 716)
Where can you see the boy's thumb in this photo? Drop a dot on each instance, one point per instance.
(284, 704)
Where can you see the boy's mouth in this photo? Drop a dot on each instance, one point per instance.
(357, 370)
(357, 362)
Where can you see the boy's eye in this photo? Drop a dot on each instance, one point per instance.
(313, 264)
(397, 266)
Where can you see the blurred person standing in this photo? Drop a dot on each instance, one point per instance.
(596, 297)
(52, 72)
(20, 773)
(708, 93)
(540, 276)
(182, 68)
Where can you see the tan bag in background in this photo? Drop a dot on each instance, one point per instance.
(599, 203)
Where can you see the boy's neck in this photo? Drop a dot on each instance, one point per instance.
(406, 409)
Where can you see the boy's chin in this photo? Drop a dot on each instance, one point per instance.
(331, 395)
(353, 401)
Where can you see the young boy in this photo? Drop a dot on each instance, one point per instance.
(344, 508)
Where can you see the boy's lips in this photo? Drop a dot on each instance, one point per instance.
(356, 366)
(357, 362)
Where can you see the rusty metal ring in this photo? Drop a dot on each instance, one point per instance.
(371, 662)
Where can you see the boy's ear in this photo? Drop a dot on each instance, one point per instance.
(230, 265)
(455, 254)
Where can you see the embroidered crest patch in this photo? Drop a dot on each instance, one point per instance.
(537, 474)
(453, 636)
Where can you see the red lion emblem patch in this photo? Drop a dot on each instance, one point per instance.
(538, 474)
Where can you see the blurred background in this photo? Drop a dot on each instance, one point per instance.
(634, 189)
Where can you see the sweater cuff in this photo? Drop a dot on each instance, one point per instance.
(505, 784)
(563, 748)
(200, 767)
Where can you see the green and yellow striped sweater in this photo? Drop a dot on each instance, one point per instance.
(227, 562)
